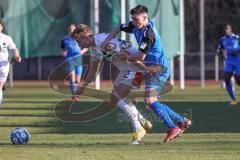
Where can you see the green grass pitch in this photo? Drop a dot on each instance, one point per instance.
(215, 134)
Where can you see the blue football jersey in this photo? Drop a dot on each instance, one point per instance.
(232, 46)
(149, 42)
(71, 46)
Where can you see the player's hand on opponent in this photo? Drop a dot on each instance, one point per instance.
(18, 59)
(154, 69)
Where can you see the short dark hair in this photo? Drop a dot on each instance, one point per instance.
(226, 25)
(139, 9)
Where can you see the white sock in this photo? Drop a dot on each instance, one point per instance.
(131, 111)
(141, 118)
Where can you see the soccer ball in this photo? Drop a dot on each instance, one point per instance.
(20, 136)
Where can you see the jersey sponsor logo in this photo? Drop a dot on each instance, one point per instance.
(3, 47)
(124, 45)
(109, 49)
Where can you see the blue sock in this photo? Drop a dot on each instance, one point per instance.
(230, 91)
(162, 112)
(73, 87)
(176, 117)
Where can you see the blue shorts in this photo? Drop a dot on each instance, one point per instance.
(232, 67)
(157, 81)
(74, 64)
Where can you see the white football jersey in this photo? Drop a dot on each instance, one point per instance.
(6, 43)
(114, 46)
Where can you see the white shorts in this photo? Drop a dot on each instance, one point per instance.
(4, 73)
(129, 74)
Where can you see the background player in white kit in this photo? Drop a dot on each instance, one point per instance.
(6, 43)
(124, 81)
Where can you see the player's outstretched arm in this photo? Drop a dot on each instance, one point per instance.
(17, 55)
(83, 51)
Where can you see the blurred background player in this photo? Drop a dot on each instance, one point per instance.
(6, 43)
(123, 82)
(152, 53)
(73, 57)
(229, 48)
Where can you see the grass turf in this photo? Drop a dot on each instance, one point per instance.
(215, 133)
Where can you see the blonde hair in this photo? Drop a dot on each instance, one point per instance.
(81, 30)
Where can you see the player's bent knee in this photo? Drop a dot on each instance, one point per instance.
(148, 101)
(114, 99)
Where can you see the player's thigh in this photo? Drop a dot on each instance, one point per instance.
(227, 77)
(237, 70)
(237, 74)
(78, 73)
(129, 77)
(155, 86)
(119, 92)
(157, 82)
(4, 70)
(123, 83)
(70, 67)
(228, 67)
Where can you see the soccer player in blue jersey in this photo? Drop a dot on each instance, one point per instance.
(229, 47)
(73, 56)
(152, 54)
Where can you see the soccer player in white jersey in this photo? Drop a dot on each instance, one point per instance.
(128, 74)
(6, 43)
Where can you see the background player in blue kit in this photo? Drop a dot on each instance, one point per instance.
(73, 56)
(152, 53)
(229, 47)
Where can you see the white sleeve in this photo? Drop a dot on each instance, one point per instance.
(11, 44)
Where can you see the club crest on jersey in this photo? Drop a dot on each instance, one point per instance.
(110, 47)
(3, 47)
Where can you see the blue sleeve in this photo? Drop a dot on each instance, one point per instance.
(63, 46)
(220, 45)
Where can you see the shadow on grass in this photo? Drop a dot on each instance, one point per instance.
(207, 117)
